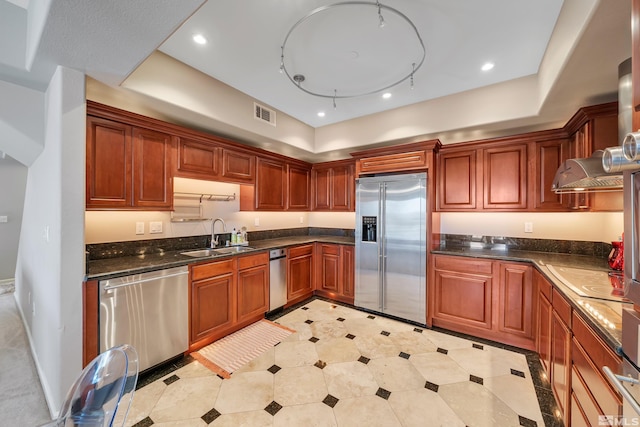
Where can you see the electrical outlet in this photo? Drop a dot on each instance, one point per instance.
(139, 227)
(155, 227)
(528, 227)
(301, 220)
(256, 222)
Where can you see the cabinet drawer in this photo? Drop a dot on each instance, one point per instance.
(329, 249)
(253, 260)
(543, 285)
(464, 265)
(562, 307)
(583, 407)
(592, 380)
(394, 162)
(300, 251)
(212, 269)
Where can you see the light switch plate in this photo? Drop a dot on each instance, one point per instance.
(528, 227)
(139, 227)
(256, 222)
(155, 227)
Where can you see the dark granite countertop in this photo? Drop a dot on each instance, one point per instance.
(590, 309)
(109, 268)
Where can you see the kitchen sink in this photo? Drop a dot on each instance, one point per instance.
(219, 251)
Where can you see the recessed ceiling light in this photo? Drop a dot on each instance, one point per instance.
(386, 95)
(200, 39)
(488, 66)
(320, 113)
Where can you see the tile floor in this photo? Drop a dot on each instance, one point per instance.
(345, 367)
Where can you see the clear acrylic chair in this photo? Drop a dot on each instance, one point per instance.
(102, 395)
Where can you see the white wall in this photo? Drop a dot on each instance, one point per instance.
(50, 268)
(584, 226)
(110, 226)
(13, 179)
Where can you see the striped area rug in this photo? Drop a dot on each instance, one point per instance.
(231, 352)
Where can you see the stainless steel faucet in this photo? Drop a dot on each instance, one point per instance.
(214, 238)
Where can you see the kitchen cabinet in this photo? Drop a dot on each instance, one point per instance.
(127, 167)
(300, 273)
(560, 372)
(333, 186)
(197, 158)
(544, 309)
(335, 271)
(457, 180)
(549, 156)
(505, 177)
(498, 301)
(238, 166)
(213, 301)
(253, 286)
(90, 318)
(271, 185)
(299, 188)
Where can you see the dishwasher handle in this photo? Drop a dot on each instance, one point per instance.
(617, 380)
(147, 279)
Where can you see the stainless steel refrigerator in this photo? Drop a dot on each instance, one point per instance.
(391, 245)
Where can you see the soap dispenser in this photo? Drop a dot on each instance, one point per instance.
(234, 237)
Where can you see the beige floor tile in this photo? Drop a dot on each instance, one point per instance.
(487, 363)
(448, 342)
(518, 393)
(295, 353)
(296, 316)
(349, 379)
(143, 401)
(476, 406)
(245, 391)
(337, 350)
(192, 370)
(259, 418)
(326, 329)
(438, 368)
(297, 386)
(260, 363)
(423, 408)
(369, 411)
(186, 398)
(193, 422)
(362, 326)
(376, 346)
(395, 374)
(391, 325)
(309, 415)
(302, 332)
(412, 342)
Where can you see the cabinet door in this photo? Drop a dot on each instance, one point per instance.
(253, 292)
(342, 188)
(457, 180)
(548, 155)
(329, 268)
(299, 188)
(212, 307)
(505, 177)
(322, 189)
(108, 164)
(561, 362)
(299, 272)
(271, 185)
(151, 169)
(515, 313)
(198, 159)
(577, 147)
(347, 257)
(543, 338)
(238, 166)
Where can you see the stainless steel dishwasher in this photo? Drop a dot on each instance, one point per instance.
(277, 278)
(148, 311)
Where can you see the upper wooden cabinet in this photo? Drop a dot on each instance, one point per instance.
(127, 167)
(197, 159)
(457, 180)
(299, 188)
(505, 177)
(333, 186)
(238, 166)
(548, 155)
(271, 185)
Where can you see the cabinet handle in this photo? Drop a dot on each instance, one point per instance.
(617, 380)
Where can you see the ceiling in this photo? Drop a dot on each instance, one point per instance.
(343, 49)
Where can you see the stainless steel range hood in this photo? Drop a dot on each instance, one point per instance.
(586, 174)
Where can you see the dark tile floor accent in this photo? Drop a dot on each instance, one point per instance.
(385, 333)
(273, 407)
(330, 401)
(517, 373)
(364, 360)
(305, 308)
(526, 422)
(172, 379)
(442, 350)
(162, 370)
(476, 380)
(210, 416)
(314, 339)
(320, 364)
(431, 386)
(308, 322)
(404, 355)
(478, 346)
(383, 393)
(371, 317)
(340, 319)
(146, 422)
(350, 336)
(274, 368)
(417, 330)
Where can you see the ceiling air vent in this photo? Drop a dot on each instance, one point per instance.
(265, 114)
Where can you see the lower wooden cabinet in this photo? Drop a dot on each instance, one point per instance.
(545, 310)
(498, 301)
(560, 372)
(300, 273)
(253, 286)
(335, 271)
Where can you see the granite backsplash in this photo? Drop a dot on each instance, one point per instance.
(97, 251)
(596, 249)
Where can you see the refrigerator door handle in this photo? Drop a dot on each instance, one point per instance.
(383, 245)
